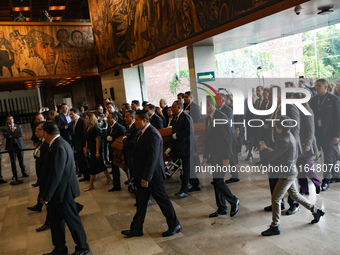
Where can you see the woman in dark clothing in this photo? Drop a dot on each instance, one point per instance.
(282, 156)
(158, 111)
(92, 152)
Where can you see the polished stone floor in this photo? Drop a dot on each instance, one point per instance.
(106, 214)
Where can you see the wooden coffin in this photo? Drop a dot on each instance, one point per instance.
(117, 145)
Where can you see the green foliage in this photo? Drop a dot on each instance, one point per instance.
(244, 64)
(323, 45)
(176, 81)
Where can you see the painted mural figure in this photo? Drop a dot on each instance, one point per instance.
(6, 54)
(63, 37)
(41, 52)
(77, 38)
(18, 49)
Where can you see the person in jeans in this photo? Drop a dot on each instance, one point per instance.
(282, 155)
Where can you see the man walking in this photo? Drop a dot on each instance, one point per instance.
(60, 191)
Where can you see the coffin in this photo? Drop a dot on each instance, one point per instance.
(117, 145)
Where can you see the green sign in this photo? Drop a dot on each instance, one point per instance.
(204, 77)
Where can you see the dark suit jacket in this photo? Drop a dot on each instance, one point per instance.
(148, 161)
(129, 143)
(61, 121)
(185, 143)
(156, 121)
(329, 114)
(218, 139)
(13, 138)
(61, 184)
(40, 162)
(115, 132)
(194, 112)
(78, 136)
(165, 114)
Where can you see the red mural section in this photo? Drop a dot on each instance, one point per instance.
(129, 30)
(46, 50)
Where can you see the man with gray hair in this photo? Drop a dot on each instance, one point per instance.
(164, 106)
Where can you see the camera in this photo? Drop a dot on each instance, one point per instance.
(298, 9)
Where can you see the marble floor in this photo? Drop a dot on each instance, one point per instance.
(106, 214)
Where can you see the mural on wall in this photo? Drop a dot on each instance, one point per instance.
(46, 50)
(128, 30)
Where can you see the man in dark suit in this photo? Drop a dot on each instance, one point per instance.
(229, 113)
(326, 108)
(111, 108)
(59, 193)
(135, 105)
(39, 154)
(183, 145)
(164, 107)
(155, 120)
(14, 145)
(77, 129)
(115, 130)
(63, 120)
(149, 178)
(191, 108)
(39, 117)
(218, 146)
(130, 139)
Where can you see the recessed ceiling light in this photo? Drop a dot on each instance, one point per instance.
(21, 9)
(57, 8)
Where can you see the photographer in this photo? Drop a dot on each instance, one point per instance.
(283, 155)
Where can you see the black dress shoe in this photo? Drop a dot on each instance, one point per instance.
(81, 252)
(269, 207)
(292, 210)
(35, 185)
(218, 213)
(334, 180)
(79, 207)
(79, 175)
(172, 231)
(181, 194)
(127, 182)
(271, 231)
(318, 190)
(2, 181)
(149, 203)
(84, 179)
(192, 189)
(17, 182)
(13, 178)
(232, 180)
(25, 174)
(317, 216)
(324, 186)
(115, 189)
(34, 208)
(234, 208)
(132, 233)
(43, 228)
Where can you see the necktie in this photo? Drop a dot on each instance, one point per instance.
(175, 120)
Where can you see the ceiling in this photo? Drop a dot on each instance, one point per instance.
(36, 83)
(71, 10)
(281, 24)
